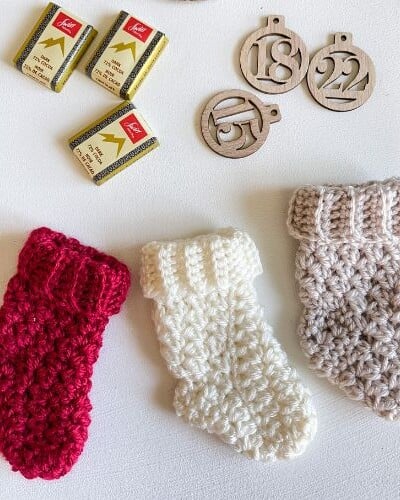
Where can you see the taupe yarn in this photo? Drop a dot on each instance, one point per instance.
(348, 272)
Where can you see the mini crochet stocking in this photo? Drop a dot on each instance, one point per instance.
(234, 380)
(51, 324)
(348, 271)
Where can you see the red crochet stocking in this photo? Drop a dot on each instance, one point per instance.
(51, 324)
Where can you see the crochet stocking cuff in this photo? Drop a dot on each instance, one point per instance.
(79, 277)
(200, 264)
(368, 212)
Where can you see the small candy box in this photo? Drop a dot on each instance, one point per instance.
(113, 142)
(54, 46)
(126, 55)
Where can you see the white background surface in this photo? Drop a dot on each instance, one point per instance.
(137, 447)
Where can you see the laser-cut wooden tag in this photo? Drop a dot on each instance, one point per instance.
(281, 58)
(348, 75)
(222, 135)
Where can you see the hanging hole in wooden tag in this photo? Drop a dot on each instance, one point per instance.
(235, 123)
(274, 59)
(341, 77)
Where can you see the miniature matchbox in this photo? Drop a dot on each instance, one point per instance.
(126, 55)
(54, 46)
(113, 142)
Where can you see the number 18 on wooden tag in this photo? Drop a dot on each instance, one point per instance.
(274, 59)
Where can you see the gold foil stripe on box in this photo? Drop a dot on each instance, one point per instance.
(124, 162)
(72, 58)
(36, 32)
(148, 58)
(122, 69)
(105, 42)
(101, 123)
(49, 68)
(113, 142)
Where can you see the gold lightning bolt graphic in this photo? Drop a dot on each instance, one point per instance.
(51, 41)
(125, 46)
(111, 138)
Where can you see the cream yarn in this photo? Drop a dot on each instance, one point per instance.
(348, 271)
(233, 377)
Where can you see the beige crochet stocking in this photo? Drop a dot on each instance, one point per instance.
(348, 271)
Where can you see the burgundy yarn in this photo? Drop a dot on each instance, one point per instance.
(51, 324)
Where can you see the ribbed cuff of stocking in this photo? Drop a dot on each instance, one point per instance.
(79, 276)
(368, 212)
(200, 264)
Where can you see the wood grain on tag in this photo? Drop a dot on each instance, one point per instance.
(235, 123)
(341, 77)
(274, 59)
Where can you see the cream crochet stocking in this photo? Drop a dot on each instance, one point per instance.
(233, 377)
(348, 270)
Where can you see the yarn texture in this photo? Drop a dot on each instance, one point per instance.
(234, 380)
(51, 324)
(348, 272)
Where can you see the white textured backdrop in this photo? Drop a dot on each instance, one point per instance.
(138, 449)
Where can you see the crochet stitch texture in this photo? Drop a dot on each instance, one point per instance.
(234, 380)
(51, 324)
(348, 272)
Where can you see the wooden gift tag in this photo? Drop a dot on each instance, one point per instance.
(274, 59)
(243, 135)
(348, 75)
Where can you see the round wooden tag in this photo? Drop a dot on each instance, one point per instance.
(274, 59)
(246, 132)
(341, 77)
